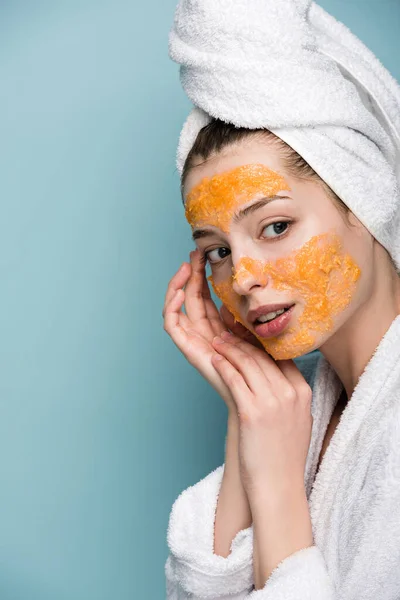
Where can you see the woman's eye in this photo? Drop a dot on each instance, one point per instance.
(279, 227)
(216, 255)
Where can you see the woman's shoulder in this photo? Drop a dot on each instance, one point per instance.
(307, 365)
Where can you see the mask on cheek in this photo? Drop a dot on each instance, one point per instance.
(319, 275)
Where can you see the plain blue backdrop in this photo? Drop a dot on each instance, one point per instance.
(103, 423)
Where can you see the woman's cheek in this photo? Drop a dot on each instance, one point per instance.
(319, 277)
(223, 289)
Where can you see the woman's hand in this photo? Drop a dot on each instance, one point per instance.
(194, 331)
(274, 406)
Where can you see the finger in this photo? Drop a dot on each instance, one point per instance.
(174, 320)
(176, 282)
(245, 363)
(194, 302)
(199, 304)
(212, 312)
(268, 365)
(293, 374)
(233, 380)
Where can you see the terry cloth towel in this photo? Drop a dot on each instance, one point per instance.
(354, 501)
(290, 67)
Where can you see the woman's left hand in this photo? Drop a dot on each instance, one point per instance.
(274, 407)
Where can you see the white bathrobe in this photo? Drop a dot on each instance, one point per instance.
(354, 503)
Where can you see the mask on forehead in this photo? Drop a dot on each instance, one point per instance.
(319, 274)
(214, 200)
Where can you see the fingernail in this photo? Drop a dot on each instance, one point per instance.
(226, 335)
(217, 340)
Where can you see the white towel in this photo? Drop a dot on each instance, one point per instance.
(289, 66)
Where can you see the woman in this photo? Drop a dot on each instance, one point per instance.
(298, 268)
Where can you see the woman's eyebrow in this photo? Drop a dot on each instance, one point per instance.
(239, 215)
(244, 212)
(201, 233)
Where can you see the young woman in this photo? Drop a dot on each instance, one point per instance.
(306, 503)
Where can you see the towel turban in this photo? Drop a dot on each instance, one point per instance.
(290, 67)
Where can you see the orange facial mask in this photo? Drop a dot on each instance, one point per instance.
(319, 275)
(214, 200)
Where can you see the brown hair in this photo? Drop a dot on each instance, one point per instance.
(217, 135)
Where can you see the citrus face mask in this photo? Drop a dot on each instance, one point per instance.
(319, 277)
(319, 274)
(214, 200)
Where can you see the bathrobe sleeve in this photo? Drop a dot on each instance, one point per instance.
(192, 569)
(301, 576)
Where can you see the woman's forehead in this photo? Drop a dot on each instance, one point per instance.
(214, 200)
(245, 153)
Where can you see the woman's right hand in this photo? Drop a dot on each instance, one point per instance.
(194, 331)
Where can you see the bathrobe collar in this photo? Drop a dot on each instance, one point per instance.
(370, 399)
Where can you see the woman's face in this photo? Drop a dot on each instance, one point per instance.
(271, 239)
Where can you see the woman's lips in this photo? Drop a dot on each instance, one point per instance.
(276, 326)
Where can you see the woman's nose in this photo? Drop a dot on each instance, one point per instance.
(248, 274)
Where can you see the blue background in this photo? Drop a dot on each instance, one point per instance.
(103, 423)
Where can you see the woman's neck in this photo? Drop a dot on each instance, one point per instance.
(350, 349)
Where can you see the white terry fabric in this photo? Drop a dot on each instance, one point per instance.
(354, 502)
(291, 67)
